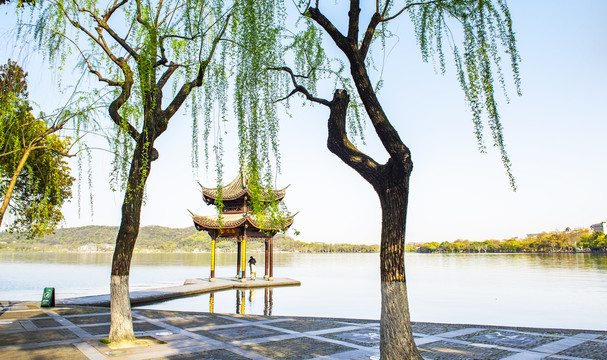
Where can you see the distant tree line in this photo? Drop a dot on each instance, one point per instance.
(579, 240)
(161, 239)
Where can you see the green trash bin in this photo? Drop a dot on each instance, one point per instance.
(48, 297)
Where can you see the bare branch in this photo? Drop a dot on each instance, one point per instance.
(167, 75)
(170, 13)
(386, 6)
(364, 48)
(337, 37)
(353, 16)
(77, 25)
(111, 10)
(102, 79)
(158, 14)
(10, 152)
(101, 25)
(299, 88)
(409, 6)
(163, 59)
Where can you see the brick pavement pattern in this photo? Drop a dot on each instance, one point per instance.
(30, 332)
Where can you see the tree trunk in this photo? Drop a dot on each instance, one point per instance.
(396, 337)
(11, 185)
(121, 328)
(391, 183)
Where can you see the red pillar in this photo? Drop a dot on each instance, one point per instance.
(267, 248)
(238, 256)
(271, 259)
(244, 253)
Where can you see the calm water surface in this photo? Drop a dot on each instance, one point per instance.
(540, 290)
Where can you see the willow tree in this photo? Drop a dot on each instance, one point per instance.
(142, 51)
(485, 28)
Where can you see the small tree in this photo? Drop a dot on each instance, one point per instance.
(36, 179)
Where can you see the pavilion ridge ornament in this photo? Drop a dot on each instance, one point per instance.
(237, 222)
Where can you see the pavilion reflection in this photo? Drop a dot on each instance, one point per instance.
(241, 300)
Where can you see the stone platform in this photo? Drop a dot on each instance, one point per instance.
(30, 332)
(189, 288)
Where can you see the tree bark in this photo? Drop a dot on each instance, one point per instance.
(121, 328)
(396, 337)
(11, 185)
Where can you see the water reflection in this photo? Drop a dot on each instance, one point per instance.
(242, 304)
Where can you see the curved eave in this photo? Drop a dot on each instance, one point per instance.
(211, 222)
(210, 197)
(288, 222)
(231, 191)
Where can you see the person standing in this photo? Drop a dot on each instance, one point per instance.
(253, 268)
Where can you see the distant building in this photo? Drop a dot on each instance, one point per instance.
(602, 226)
(88, 248)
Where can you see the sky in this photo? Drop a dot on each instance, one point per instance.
(555, 135)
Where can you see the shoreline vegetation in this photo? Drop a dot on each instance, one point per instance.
(569, 241)
(158, 239)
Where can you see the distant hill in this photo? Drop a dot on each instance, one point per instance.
(158, 239)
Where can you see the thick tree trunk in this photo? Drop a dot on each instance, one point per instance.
(121, 328)
(396, 337)
(391, 183)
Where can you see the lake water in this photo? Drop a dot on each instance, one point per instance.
(537, 290)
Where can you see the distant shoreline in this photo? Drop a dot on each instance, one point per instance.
(257, 251)
(157, 239)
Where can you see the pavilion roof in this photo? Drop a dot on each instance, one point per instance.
(235, 190)
(230, 221)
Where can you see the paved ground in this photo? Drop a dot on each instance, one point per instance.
(29, 332)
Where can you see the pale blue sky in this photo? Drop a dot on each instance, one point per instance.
(555, 135)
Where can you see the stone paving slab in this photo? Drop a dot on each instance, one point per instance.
(28, 332)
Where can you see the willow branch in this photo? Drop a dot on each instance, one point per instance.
(197, 82)
(88, 64)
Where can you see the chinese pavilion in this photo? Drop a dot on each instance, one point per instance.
(237, 222)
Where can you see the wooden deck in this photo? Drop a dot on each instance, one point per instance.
(189, 288)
